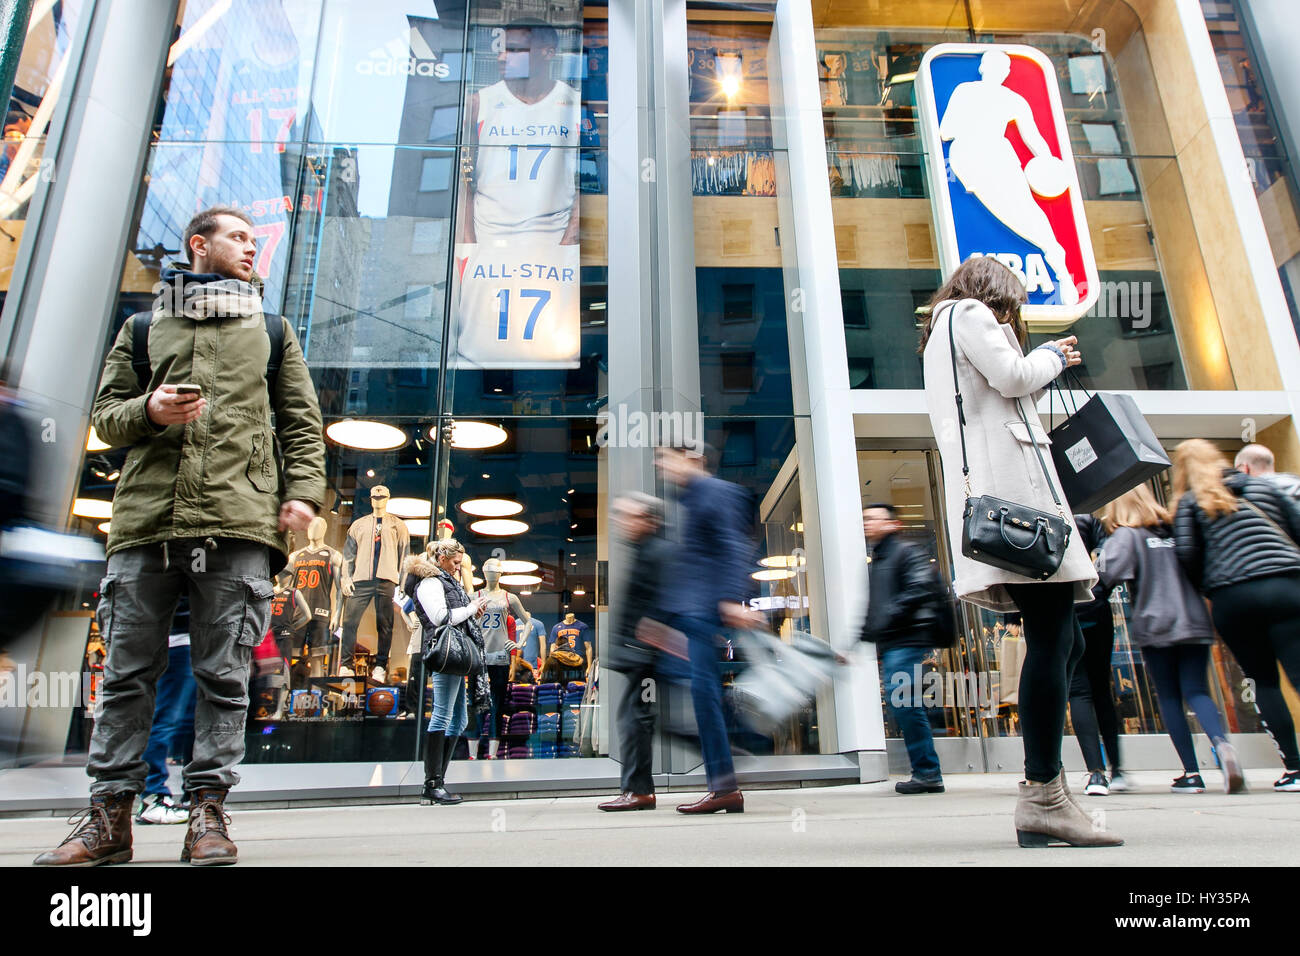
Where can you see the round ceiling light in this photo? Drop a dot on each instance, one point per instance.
(95, 443)
(772, 574)
(511, 566)
(477, 435)
(92, 508)
(490, 507)
(104, 526)
(417, 527)
(477, 581)
(783, 561)
(365, 435)
(498, 526)
(410, 507)
(520, 580)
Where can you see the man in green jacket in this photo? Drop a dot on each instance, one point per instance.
(201, 506)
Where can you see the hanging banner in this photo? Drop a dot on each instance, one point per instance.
(517, 255)
(1002, 176)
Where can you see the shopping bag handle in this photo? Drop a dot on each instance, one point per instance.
(1065, 405)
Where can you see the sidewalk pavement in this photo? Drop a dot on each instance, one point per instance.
(863, 825)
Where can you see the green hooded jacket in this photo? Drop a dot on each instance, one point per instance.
(217, 476)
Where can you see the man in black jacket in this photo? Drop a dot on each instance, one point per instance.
(638, 518)
(900, 592)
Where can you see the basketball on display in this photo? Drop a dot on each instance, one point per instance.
(1048, 176)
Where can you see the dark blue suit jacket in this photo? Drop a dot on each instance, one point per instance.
(715, 549)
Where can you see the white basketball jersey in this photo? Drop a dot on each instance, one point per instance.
(519, 304)
(492, 625)
(526, 167)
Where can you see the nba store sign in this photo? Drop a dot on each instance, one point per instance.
(1002, 174)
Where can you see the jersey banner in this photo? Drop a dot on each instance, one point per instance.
(1002, 175)
(517, 262)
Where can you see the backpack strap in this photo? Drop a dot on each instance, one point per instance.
(274, 332)
(140, 348)
(141, 321)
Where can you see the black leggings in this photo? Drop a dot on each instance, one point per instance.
(1092, 705)
(1052, 648)
(1259, 620)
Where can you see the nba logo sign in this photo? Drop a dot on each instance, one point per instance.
(1002, 176)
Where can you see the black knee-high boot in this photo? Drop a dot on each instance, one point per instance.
(447, 795)
(434, 746)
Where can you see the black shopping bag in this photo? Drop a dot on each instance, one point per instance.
(1103, 450)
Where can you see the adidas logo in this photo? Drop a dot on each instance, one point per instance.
(407, 54)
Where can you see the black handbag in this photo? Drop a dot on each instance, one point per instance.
(451, 651)
(1104, 448)
(1001, 533)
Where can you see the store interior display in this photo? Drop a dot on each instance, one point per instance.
(377, 546)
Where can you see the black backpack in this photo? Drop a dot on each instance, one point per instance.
(141, 321)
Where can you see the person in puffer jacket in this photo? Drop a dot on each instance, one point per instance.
(1236, 540)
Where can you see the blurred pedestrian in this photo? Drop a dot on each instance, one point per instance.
(173, 725)
(200, 508)
(1092, 701)
(1236, 538)
(899, 587)
(1257, 460)
(706, 585)
(638, 518)
(973, 343)
(433, 581)
(1171, 626)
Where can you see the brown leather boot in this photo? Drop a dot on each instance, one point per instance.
(207, 842)
(1046, 815)
(103, 835)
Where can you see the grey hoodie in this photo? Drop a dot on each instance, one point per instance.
(1166, 608)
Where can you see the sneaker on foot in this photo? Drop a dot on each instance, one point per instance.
(1097, 785)
(917, 785)
(1234, 778)
(1190, 783)
(1289, 783)
(379, 674)
(1119, 783)
(160, 808)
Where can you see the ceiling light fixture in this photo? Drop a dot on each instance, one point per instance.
(490, 507)
(475, 435)
(498, 526)
(783, 561)
(365, 435)
(518, 580)
(772, 574)
(104, 526)
(92, 508)
(513, 566)
(410, 507)
(417, 527)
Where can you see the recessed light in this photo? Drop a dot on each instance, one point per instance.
(365, 435)
(490, 507)
(512, 566)
(92, 508)
(498, 526)
(516, 580)
(772, 574)
(573, 526)
(104, 526)
(486, 475)
(783, 561)
(579, 591)
(410, 507)
(475, 435)
(569, 492)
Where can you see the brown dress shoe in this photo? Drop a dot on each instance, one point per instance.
(103, 834)
(207, 842)
(627, 800)
(733, 801)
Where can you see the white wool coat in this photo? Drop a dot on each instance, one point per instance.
(994, 371)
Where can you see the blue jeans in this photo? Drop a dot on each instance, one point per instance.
(450, 710)
(898, 669)
(706, 695)
(173, 718)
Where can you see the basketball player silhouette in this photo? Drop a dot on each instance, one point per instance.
(986, 164)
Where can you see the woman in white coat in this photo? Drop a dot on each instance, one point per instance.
(981, 304)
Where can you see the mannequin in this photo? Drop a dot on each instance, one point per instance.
(376, 549)
(317, 573)
(500, 604)
(445, 531)
(568, 636)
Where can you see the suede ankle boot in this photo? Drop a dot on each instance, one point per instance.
(1046, 814)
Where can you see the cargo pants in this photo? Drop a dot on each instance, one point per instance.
(230, 610)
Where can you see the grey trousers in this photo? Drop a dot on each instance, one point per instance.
(229, 585)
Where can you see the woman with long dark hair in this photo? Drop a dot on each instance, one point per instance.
(1236, 540)
(975, 329)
